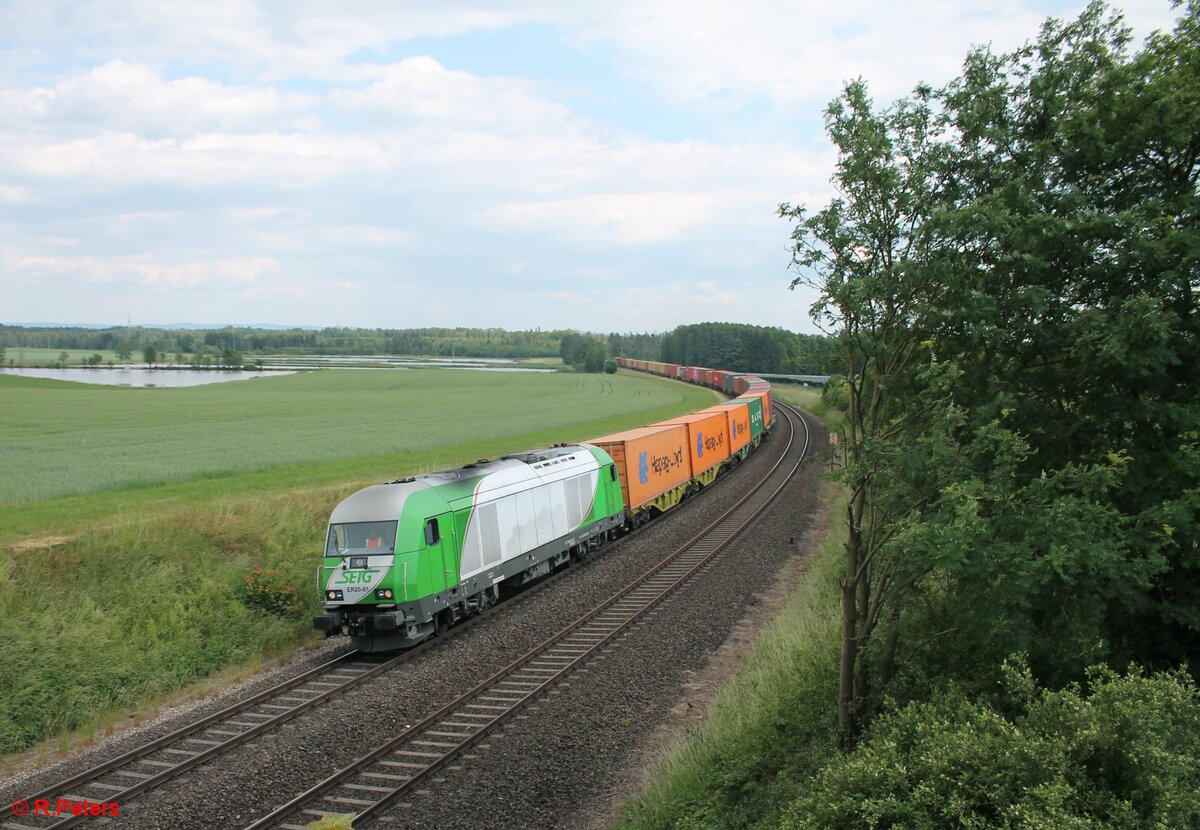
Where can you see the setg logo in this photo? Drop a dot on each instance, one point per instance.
(356, 577)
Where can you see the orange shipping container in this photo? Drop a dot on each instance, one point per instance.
(708, 438)
(737, 416)
(765, 395)
(650, 461)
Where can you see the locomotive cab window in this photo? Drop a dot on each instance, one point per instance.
(361, 537)
(612, 472)
(432, 534)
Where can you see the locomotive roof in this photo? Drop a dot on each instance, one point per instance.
(386, 501)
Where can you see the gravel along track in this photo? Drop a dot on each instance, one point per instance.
(556, 766)
(560, 764)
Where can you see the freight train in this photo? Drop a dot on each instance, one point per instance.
(410, 557)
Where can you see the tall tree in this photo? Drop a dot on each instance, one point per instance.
(864, 254)
(1011, 270)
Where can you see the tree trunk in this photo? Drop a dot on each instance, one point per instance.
(847, 708)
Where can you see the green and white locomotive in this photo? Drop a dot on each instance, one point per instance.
(409, 557)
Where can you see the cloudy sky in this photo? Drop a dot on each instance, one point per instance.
(608, 166)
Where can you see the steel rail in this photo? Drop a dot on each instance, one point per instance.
(75, 788)
(372, 782)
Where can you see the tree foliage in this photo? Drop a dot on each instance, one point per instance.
(435, 341)
(1123, 753)
(745, 348)
(1011, 272)
(643, 346)
(586, 352)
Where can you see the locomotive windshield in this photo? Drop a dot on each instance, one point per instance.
(367, 537)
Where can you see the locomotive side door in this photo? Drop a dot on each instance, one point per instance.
(439, 544)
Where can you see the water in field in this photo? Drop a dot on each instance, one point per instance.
(142, 378)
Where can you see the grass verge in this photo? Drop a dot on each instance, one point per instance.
(810, 400)
(769, 728)
(98, 625)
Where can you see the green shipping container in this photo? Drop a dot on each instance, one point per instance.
(756, 413)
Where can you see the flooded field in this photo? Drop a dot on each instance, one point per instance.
(143, 378)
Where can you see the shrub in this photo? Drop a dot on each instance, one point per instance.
(1124, 754)
(264, 590)
(836, 393)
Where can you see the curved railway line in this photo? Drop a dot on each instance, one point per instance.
(371, 783)
(368, 785)
(128, 775)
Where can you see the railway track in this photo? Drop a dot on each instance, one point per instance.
(367, 786)
(123, 778)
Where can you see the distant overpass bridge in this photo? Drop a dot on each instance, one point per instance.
(812, 380)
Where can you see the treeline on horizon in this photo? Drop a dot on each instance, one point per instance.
(734, 346)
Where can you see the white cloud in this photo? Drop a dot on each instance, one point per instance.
(142, 269)
(136, 98)
(14, 194)
(726, 53)
(622, 217)
(421, 90)
(267, 213)
(302, 158)
(276, 290)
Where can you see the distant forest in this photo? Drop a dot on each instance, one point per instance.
(742, 348)
(720, 345)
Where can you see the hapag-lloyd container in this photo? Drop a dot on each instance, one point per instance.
(760, 393)
(754, 407)
(708, 438)
(650, 461)
(737, 417)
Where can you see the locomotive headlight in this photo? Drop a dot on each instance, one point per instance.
(333, 595)
(383, 593)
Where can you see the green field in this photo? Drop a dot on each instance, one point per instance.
(133, 517)
(65, 439)
(31, 356)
